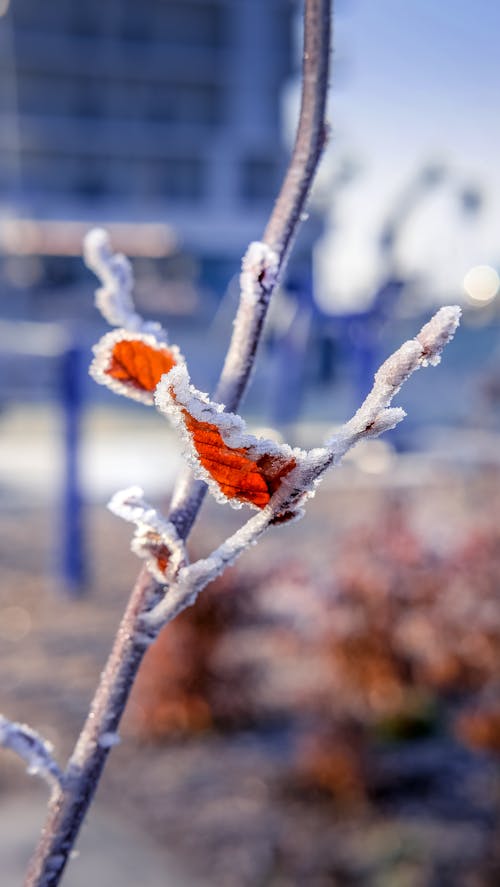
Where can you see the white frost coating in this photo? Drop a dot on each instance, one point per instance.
(108, 740)
(30, 746)
(259, 271)
(375, 415)
(155, 539)
(174, 394)
(114, 299)
(103, 352)
(230, 425)
(438, 332)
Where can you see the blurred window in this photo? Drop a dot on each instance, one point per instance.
(260, 178)
(38, 171)
(193, 23)
(190, 103)
(182, 178)
(47, 93)
(91, 179)
(85, 19)
(53, 15)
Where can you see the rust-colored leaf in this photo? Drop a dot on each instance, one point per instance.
(136, 363)
(239, 475)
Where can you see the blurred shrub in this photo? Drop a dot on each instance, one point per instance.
(382, 639)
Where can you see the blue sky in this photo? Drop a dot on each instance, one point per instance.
(414, 81)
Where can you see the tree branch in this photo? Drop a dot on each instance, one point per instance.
(69, 804)
(30, 746)
(374, 417)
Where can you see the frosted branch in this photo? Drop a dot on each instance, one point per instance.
(244, 470)
(375, 414)
(194, 578)
(114, 298)
(259, 272)
(68, 807)
(312, 131)
(175, 395)
(32, 748)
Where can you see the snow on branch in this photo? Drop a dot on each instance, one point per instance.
(114, 298)
(375, 415)
(129, 360)
(259, 271)
(30, 746)
(155, 539)
(259, 274)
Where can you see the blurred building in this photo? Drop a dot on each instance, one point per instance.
(159, 111)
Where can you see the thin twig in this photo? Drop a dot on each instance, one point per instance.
(32, 748)
(289, 207)
(69, 803)
(68, 806)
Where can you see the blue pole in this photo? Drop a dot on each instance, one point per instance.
(72, 555)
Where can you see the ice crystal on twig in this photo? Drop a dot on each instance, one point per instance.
(114, 298)
(259, 273)
(259, 270)
(129, 360)
(375, 415)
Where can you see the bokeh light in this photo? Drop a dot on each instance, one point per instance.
(481, 283)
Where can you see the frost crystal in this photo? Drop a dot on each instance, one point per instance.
(108, 740)
(375, 415)
(30, 746)
(259, 270)
(114, 299)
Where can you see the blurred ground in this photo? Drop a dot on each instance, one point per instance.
(225, 807)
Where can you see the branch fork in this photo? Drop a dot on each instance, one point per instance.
(33, 749)
(282, 479)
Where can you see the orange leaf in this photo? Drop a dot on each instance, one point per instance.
(239, 476)
(138, 364)
(132, 363)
